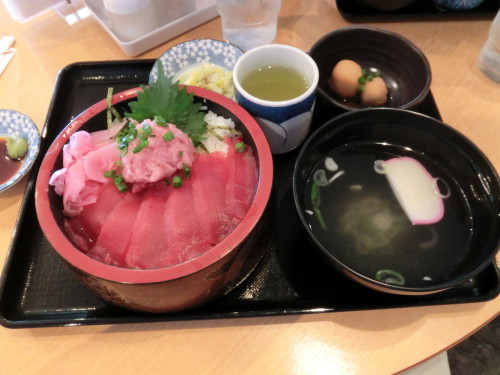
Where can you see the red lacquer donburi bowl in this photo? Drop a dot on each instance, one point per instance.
(177, 287)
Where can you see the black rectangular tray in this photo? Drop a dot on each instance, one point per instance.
(37, 289)
(421, 10)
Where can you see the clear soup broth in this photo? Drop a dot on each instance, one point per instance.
(359, 220)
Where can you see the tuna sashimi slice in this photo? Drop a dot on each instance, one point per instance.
(242, 180)
(209, 177)
(185, 235)
(114, 238)
(148, 245)
(85, 228)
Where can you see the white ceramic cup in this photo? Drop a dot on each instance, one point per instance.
(285, 123)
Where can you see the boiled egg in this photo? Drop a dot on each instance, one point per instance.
(344, 78)
(374, 92)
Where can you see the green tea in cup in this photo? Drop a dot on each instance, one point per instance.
(275, 83)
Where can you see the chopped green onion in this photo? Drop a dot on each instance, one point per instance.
(319, 216)
(315, 198)
(118, 180)
(177, 181)
(179, 154)
(142, 144)
(146, 129)
(168, 136)
(160, 121)
(167, 182)
(239, 147)
(390, 277)
(187, 170)
(366, 77)
(120, 184)
(125, 136)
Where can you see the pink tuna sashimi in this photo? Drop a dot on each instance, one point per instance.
(185, 235)
(98, 161)
(242, 180)
(148, 244)
(85, 228)
(160, 159)
(114, 238)
(209, 177)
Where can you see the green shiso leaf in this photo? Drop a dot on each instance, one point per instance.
(174, 105)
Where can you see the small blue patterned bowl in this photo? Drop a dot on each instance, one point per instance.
(196, 52)
(15, 124)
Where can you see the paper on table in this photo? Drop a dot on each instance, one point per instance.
(6, 51)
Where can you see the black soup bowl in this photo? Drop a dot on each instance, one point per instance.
(398, 201)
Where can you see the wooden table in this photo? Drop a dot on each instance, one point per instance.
(368, 342)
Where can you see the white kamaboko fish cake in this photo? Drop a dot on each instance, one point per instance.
(415, 189)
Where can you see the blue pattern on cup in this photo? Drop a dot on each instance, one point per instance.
(276, 114)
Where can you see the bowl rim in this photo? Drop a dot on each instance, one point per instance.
(391, 34)
(79, 260)
(31, 156)
(362, 278)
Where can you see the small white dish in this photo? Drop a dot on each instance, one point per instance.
(15, 124)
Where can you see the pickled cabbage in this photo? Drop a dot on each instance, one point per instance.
(210, 77)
